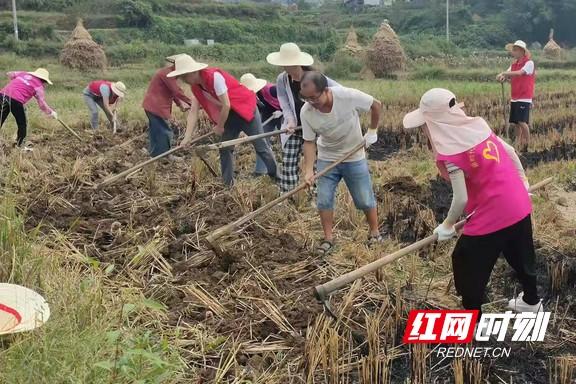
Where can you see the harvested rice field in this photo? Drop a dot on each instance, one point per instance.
(129, 261)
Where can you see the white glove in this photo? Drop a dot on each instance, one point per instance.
(54, 115)
(371, 137)
(277, 114)
(445, 233)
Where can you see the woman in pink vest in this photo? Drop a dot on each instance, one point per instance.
(229, 105)
(269, 108)
(106, 95)
(21, 88)
(489, 185)
(522, 76)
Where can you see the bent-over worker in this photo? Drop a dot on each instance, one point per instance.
(106, 95)
(489, 185)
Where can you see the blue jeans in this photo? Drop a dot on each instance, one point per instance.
(356, 175)
(93, 102)
(159, 135)
(260, 168)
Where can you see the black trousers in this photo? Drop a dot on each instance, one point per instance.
(475, 256)
(9, 105)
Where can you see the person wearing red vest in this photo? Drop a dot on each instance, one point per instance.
(522, 76)
(106, 95)
(161, 93)
(269, 108)
(229, 105)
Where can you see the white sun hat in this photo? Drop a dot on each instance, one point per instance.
(519, 44)
(119, 89)
(448, 127)
(186, 64)
(42, 74)
(172, 58)
(252, 82)
(290, 55)
(21, 309)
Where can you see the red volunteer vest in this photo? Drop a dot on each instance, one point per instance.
(522, 86)
(94, 87)
(273, 101)
(242, 100)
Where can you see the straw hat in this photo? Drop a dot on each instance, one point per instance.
(185, 64)
(42, 74)
(172, 58)
(290, 55)
(119, 89)
(252, 83)
(21, 309)
(519, 44)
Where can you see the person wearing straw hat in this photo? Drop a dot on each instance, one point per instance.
(162, 92)
(269, 107)
(106, 95)
(331, 124)
(21, 88)
(522, 76)
(295, 64)
(490, 186)
(229, 105)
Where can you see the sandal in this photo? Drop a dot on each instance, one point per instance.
(325, 247)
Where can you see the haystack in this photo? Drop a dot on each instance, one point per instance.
(552, 50)
(81, 52)
(385, 54)
(351, 45)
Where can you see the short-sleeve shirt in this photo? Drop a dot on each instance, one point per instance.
(339, 130)
(528, 68)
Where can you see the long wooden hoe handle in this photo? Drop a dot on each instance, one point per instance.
(149, 161)
(69, 129)
(242, 140)
(232, 226)
(324, 290)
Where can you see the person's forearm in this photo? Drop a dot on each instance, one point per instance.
(224, 113)
(514, 73)
(191, 122)
(375, 112)
(309, 151)
(459, 197)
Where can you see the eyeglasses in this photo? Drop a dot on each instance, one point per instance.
(311, 99)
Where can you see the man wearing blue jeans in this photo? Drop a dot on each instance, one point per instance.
(331, 124)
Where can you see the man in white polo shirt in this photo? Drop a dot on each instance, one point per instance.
(331, 124)
(522, 76)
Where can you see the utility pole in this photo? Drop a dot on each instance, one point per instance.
(15, 17)
(448, 20)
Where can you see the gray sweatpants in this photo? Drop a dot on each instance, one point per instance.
(93, 102)
(232, 128)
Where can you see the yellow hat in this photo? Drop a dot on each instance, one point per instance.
(42, 74)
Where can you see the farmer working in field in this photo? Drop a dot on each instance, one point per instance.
(21, 88)
(229, 105)
(269, 107)
(295, 64)
(489, 184)
(106, 95)
(522, 75)
(161, 93)
(330, 122)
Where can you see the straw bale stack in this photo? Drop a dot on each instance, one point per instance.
(351, 46)
(552, 50)
(385, 55)
(82, 52)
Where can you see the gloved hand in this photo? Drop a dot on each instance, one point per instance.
(444, 232)
(371, 137)
(277, 114)
(54, 115)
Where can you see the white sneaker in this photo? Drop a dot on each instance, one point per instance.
(519, 305)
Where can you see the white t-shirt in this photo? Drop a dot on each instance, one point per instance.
(219, 86)
(528, 68)
(339, 130)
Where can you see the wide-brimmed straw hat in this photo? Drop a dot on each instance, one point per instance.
(21, 309)
(519, 44)
(186, 64)
(119, 89)
(252, 82)
(290, 55)
(172, 58)
(42, 74)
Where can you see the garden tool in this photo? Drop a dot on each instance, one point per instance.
(504, 103)
(323, 291)
(114, 123)
(69, 129)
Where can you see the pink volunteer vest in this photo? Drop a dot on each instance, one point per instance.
(496, 193)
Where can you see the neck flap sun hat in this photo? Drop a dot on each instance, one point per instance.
(519, 44)
(119, 89)
(290, 55)
(252, 82)
(42, 74)
(21, 309)
(186, 64)
(448, 127)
